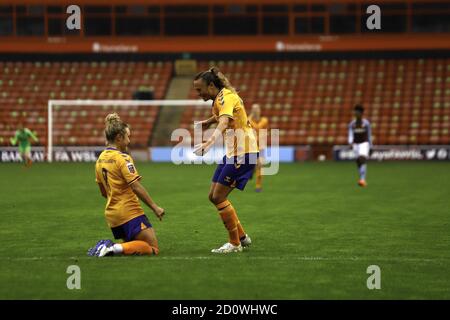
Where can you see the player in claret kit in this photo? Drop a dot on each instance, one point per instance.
(241, 151)
(119, 183)
(359, 137)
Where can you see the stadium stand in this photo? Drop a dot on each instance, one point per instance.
(26, 88)
(407, 100)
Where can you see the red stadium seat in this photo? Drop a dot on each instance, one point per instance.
(28, 86)
(390, 89)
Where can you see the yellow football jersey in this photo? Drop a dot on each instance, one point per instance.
(230, 104)
(263, 123)
(116, 172)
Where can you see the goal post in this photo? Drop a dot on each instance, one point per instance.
(123, 103)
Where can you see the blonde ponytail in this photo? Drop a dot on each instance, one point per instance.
(114, 126)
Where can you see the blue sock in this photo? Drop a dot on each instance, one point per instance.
(362, 172)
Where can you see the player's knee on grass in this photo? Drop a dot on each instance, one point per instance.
(138, 247)
(148, 236)
(155, 251)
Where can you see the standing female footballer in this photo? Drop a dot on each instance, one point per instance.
(118, 180)
(241, 151)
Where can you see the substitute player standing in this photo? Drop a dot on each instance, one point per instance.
(359, 137)
(258, 123)
(118, 180)
(241, 153)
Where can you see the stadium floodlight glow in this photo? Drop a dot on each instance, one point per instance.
(89, 102)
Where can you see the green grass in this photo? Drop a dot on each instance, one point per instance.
(314, 234)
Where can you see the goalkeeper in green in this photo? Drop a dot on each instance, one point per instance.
(23, 136)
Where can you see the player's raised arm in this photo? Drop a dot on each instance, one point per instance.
(204, 147)
(206, 123)
(211, 120)
(223, 124)
(143, 195)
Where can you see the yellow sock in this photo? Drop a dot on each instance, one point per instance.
(230, 220)
(258, 177)
(241, 231)
(138, 247)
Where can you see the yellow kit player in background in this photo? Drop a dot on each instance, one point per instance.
(258, 123)
(241, 151)
(118, 181)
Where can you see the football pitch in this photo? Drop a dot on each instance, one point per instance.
(314, 232)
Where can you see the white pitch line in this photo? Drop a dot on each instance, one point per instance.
(245, 258)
